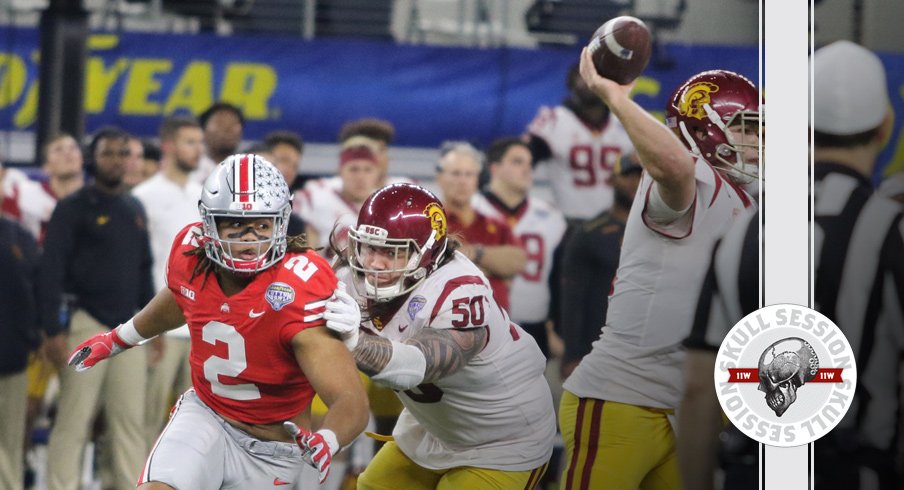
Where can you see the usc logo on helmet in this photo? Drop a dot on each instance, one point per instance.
(695, 97)
(437, 219)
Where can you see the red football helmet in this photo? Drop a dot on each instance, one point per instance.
(406, 222)
(703, 109)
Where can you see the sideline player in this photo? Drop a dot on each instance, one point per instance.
(253, 300)
(329, 210)
(616, 410)
(478, 411)
(537, 224)
(581, 141)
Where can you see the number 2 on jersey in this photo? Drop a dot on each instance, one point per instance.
(302, 267)
(232, 365)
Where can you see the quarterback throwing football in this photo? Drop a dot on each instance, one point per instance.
(616, 409)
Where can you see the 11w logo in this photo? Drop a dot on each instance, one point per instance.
(785, 375)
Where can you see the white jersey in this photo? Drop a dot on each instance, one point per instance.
(168, 208)
(639, 359)
(321, 205)
(494, 413)
(581, 161)
(27, 202)
(540, 228)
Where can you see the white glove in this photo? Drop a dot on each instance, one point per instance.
(343, 316)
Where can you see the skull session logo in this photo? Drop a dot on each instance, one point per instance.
(785, 375)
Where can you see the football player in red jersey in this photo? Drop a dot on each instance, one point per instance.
(254, 301)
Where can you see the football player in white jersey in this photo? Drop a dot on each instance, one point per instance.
(538, 225)
(616, 410)
(478, 412)
(581, 141)
(374, 133)
(330, 211)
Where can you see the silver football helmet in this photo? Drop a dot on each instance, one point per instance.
(245, 186)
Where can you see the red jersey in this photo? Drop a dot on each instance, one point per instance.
(242, 362)
(489, 232)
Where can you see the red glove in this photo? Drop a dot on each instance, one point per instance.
(96, 349)
(318, 447)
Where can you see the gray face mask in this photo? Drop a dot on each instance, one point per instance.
(245, 186)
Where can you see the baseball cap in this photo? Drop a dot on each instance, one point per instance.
(850, 94)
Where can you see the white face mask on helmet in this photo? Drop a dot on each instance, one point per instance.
(242, 187)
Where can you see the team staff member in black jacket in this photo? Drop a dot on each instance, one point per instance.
(97, 253)
(589, 264)
(18, 336)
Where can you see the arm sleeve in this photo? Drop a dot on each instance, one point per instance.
(59, 244)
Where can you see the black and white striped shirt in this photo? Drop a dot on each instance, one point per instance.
(860, 285)
(859, 272)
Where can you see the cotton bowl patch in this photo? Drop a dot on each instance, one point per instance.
(415, 305)
(279, 294)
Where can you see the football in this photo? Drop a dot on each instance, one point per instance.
(621, 49)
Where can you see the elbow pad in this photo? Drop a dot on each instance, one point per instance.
(405, 369)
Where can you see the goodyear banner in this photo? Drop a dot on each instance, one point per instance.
(430, 93)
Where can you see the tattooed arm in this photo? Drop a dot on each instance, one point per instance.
(440, 352)
(372, 354)
(448, 350)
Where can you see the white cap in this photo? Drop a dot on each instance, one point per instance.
(850, 94)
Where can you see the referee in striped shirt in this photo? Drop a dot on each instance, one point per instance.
(859, 247)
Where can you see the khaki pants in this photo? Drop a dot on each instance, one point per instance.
(12, 429)
(167, 380)
(118, 385)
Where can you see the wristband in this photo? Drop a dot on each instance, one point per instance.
(128, 334)
(405, 369)
(331, 440)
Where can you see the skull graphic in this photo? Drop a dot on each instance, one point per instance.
(784, 367)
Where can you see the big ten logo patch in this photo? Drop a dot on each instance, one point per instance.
(785, 375)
